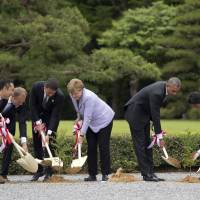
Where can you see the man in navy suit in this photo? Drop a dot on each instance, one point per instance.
(142, 108)
(46, 101)
(6, 90)
(9, 108)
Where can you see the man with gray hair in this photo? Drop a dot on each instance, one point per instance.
(140, 110)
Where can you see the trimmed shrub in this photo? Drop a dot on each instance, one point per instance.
(193, 113)
(122, 153)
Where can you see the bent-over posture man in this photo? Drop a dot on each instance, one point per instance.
(142, 108)
(9, 108)
(46, 100)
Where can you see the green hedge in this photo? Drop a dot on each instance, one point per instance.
(122, 153)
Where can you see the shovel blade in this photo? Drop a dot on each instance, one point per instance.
(172, 161)
(28, 163)
(45, 162)
(198, 171)
(79, 162)
(54, 162)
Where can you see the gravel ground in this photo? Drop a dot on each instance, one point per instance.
(21, 188)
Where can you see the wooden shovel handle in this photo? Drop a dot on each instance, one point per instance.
(46, 145)
(17, 146)
(165, 152)
(79, 150)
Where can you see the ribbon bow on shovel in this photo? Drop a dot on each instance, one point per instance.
(77, 163)
(156, 141)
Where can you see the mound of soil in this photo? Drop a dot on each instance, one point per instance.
(190, 179)
(59, 179)
(73, 170)
(119, 176)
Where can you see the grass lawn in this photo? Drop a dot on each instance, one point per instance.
(120, 127)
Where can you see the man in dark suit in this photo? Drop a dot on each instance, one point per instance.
(142, 108)
(9, 108)
(6, 90)
(46, 100)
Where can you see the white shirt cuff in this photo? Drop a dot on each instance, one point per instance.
(23, 140)
(49, 132)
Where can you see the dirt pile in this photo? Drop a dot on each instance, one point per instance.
(119, 176)
(190, 179)
(73, 170)
(59, 179)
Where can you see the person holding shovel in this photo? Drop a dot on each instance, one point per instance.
(46, 101)
(9, 108)
(142, 108)
(6, 90)
(97, 119)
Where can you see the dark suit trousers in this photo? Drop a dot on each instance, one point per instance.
(7, 153)
(140, 133)
(101, 139)
(141, 140)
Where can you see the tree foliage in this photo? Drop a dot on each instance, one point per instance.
(181, 54)
(138, 29)
(38, 41)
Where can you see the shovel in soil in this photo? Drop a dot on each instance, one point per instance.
(171, 161)
(26, 161)
(78, 163)
(194, 156)
(54, 162)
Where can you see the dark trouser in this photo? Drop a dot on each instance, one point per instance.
(141, 140)
(101, 139)
(40, 151)
(6, 159)
(139, 124)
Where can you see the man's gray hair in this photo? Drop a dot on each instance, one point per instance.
(174, 81)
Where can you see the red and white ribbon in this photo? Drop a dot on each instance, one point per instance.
(38, 129)
(156, 139)
(4, 133)
(76, 130)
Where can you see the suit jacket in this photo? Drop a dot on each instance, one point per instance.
(95, 113)
(51, 113)
(145, 105)
(8, 110)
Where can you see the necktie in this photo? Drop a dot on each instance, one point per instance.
(45, 100)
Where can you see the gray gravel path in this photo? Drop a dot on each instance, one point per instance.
(21, 188)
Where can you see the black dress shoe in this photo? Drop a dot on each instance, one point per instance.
(104, 178)
(150, 177)
(90, 178)
(159, 179)
(37, 175)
